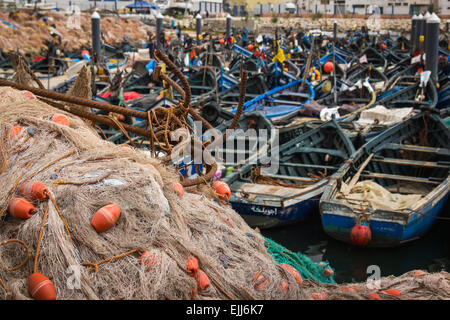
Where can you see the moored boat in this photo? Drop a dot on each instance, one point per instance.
(285, 186)
(395, 185)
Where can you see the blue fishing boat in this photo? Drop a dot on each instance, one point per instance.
(396, 184)
(279, 101)
(285, 186)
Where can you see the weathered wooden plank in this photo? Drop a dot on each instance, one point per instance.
(398, 177)
(408, 147)
(331, 152)
(283, 177)
(428, 164)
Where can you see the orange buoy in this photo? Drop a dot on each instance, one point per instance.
(221, 41)
(393, 292)
(373, 296)
(149, 259)
(222, 189)
(260, 281)
(352, 288)
(360, 234)
(284, 285)
(21, 208)
(105, 217)
(61, 119)
(319, 296)
(383, 46)
(178, 188)
(29, 94)
(328, 272)
(40, 287)
(34, 191)
(328, 67)
(294, 272)
(202, 280)
(192, 265)
(418, 273)
(346, 289)
(15, 131)
(251, 47)
(355, 288)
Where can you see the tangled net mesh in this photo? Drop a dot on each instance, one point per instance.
(84, 173)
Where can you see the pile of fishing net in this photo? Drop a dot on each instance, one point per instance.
(413, 285)
(84, 173)
(162, 246)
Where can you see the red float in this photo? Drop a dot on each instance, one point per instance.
(361, 234)
(41, 288)
(328, 67)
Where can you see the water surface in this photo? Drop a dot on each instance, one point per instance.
(431, 253)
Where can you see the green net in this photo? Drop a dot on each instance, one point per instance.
(307, 268)
(447, 121)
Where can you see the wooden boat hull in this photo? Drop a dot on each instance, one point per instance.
(393, 162)
(264, 217)
(387, 231)
(280, 212)
(265, 199)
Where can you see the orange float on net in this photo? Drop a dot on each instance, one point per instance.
(222, 189)
(34, 191)
(373, 296)
(149, 259)
(178, 188)
(192, 265)
(350, 289)
(202, 280)
(393, 292)
(105, 217)
(61, 119)
(221, 41)
(327, 272)
(28, 94)
(383, 46)
(294, 272)
(284, 285)
(319, 296)
(260, 281)
(251, 47)
(21, 208)
(418, 273)
(15, 131)
(40, 287)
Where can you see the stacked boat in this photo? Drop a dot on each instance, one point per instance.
(349, 128)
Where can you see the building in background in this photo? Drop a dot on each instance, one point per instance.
(259, 7)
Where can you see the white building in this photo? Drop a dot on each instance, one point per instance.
(367, 7)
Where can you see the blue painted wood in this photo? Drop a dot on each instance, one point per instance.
(391, 228)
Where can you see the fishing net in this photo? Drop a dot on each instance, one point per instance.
(377, 197)
(84, 173)
(305, 266)
(413, 285)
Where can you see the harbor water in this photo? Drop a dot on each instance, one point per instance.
(354, 264)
